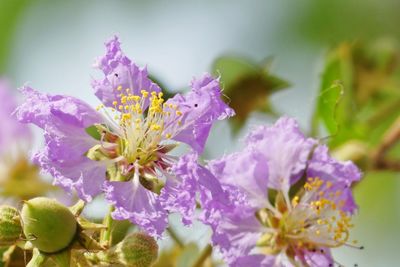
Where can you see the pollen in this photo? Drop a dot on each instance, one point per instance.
(139, 123)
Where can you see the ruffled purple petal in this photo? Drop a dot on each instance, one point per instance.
(341, 174)
(119, 70)
(247, 170)
(135, 203)
(193, 182)
(286, 150)
(255, 260)
(320, 258)
(236, 234)
(65, 120)
(12, 131)
(200, 108)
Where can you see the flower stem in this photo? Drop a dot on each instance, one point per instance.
(175, 237)
(205, 254)
(106, 234)
(390, 138)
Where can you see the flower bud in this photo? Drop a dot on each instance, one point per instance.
(49, 225)
(10, 225)
(136, 250)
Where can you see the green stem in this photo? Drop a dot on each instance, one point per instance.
(175, 237)
(205, 254)
(106, 234)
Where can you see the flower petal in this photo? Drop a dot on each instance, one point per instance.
(236, 234)
(12, 131)
(200, 108)
(119, 70)
(65, 120)
(191, 180)
(319, 258)
(134, 202)
(247, 170)
(286, 150)
(255, 260)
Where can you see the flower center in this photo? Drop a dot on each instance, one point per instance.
(314, 219)
(136, 133)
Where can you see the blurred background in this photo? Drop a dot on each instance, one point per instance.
(52, 45)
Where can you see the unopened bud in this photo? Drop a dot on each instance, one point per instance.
(10, 225)
(136, 250)
(49, 225)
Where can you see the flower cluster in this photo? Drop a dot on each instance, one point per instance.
(281, 201)
(293, 202)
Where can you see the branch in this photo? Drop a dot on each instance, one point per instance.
(390, 138)
(205, 254)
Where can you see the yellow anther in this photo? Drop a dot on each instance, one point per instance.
(168, 135)
(155, 127)
(119, 88)
(115, 103)
(144, 93)
(295, 201)
(178, 113)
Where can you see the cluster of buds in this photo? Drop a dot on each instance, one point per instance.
(58, 235)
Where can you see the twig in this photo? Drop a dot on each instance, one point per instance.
(390, 138)
(175, 237)
(205, 254)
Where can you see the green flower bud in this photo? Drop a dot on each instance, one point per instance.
(10, 225)
(136, 250)
(49, 225)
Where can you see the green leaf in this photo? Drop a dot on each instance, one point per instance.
(247, 87)
(359, 91)
(94, 131)
(10, 12)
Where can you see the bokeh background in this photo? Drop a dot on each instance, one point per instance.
(52, 45)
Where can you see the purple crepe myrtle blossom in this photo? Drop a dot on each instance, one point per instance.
(122, 147)
(296, 200)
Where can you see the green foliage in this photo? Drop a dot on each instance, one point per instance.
(247, 87)
(359, 92)
(10, 11)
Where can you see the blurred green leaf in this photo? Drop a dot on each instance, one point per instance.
(247, 87)
(10, 11)
(359, 93)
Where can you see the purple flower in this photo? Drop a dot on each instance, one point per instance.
(122, 147)
(12, 131)
(296, 200)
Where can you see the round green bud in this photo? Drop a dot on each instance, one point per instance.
(10, 225)
(136, 250)
(49, 225)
